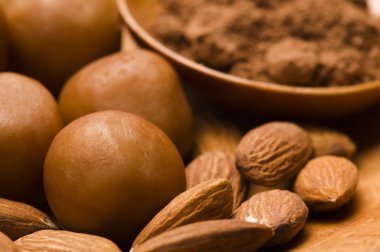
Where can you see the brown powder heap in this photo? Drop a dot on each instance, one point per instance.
(294, 42)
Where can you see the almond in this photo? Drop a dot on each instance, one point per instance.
(210, 236)
(217, 164)
(272, 153)
(207, 201)
(6, 244)
(281, 210)
(19, 219)
(330, 142)
(327, 182)
(65, 241)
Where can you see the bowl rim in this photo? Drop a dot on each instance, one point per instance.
(245, 83)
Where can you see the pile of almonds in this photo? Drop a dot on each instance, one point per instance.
(216, 213)
(218, 185)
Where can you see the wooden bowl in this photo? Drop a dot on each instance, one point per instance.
(253, 96)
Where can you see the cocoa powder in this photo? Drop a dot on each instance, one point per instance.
(294, 42)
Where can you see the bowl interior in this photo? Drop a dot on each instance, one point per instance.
(250, 95)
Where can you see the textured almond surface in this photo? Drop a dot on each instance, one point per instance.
(363, 234)
(281, 210)
(6, 244)
(18, 219)
(272, 153)
(65, 241)
(330, 142)
(327, 182)
(207, 201)
(217, 164)
(210, 236)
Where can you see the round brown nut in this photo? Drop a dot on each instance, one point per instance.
(272, 153)
(29, 120)
(217, 164)
(50, 40)
(138, 82)
(109, 173)
(326, 183)
(281, 210)
(3, 41)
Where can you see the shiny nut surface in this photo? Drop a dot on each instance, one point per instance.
(138, 82)
(109, 173)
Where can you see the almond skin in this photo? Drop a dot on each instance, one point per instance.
(210, 236)
(326, 183)
(209, 200)
(19, 219)
(6, 244)
(281, 210)
(272, 153)
(217, 164)
(329, 142)
(64, 241)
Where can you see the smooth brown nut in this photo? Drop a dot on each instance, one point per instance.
(210, 236)
(281, 210)
(272, 153)
(329, 142)
(3, 41)
(217, 164)
(138, 82)
(64, 241)
(109, 173)
(18, 219)
(207, 201)
(28, 123)
(326, 183)
(50, 40)
(6, 244)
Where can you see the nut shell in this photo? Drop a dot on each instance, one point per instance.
(50, 40)
(138, 82)
(326, 183)
(281, 210)
(109, 173)
(28, 123)
(272, 153)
